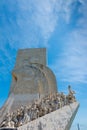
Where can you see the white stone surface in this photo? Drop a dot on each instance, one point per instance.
(58, 120)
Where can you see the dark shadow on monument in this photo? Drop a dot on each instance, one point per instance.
(8, 129)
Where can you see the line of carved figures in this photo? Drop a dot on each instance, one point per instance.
(38, 109)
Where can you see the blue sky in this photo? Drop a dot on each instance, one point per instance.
(58, 25)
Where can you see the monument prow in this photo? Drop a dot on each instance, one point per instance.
(58, 120)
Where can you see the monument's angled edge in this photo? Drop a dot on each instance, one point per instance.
(34, 86)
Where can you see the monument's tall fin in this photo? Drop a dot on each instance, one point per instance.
(31, 78)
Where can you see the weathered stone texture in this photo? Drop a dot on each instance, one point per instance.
(32, 55)
(31, 75)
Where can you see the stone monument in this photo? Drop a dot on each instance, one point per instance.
(31, 78)
(32, 82)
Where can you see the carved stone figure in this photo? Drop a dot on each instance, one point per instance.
(26, 116)
(71, 97)
(8, 123)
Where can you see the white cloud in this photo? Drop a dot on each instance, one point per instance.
(44, 15)
(71, 62)
(40, 13)
(31, 21)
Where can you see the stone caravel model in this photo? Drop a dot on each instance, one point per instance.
(32, 80)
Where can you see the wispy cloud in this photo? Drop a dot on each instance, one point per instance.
(72, 61)
(25, 22)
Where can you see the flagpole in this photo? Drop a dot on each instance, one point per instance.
(78, 126)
